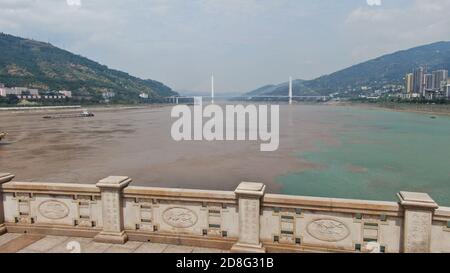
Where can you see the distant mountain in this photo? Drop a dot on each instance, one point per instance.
(387, 69)
(41, 65)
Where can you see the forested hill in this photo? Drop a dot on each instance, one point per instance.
(387, 69)
(34, 64)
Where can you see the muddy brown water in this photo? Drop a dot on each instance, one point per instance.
(137, 143)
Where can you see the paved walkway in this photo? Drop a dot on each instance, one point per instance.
(24, 243)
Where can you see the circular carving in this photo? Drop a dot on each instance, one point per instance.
(53, 209)
(328, 229)
(179, 217)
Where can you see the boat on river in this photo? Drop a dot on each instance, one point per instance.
(83, 114)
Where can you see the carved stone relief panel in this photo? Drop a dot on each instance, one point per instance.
(328, 230)
(180, 217)
(53, 209)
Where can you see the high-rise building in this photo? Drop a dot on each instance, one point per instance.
(446, 87)
(439, 79)
(409, 83)
(428, 82)
(418, 80)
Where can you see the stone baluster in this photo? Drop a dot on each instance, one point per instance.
(112, 212)
(418, 217)
(4, 178)
(249, 200)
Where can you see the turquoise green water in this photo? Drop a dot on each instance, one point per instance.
(380, 153)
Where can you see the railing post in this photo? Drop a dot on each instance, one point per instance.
(249, 197)
(4, 178)
(112, 212)
(418, 217)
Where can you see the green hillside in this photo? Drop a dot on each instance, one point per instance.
(41, 65)
(387, 69)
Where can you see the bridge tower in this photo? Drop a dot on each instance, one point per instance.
(212, 88)
(290, 90)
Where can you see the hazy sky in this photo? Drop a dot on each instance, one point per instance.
(246, 43)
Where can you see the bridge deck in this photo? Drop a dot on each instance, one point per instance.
(30, 243)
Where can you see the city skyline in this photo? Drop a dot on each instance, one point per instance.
(245, 44)
(427, 84)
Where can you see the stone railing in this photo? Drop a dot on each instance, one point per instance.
(246, 220)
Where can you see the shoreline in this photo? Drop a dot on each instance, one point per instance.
(31, 108)
(76, 108)
(427, 109)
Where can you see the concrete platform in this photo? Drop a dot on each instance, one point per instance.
(24, 243)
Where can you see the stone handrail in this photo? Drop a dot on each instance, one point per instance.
(181, 194)
(333, 204)
(246, 220)
(51, 188)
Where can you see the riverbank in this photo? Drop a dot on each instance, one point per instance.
(76, 108)
(39, 108)
(429, 109)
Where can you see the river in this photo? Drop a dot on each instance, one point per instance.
(331, 151)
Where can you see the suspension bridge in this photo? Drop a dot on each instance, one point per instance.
(288, 97)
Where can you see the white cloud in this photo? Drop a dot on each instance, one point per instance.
(373, 32)
(246, 43)
(374, 2)
(74, 3)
